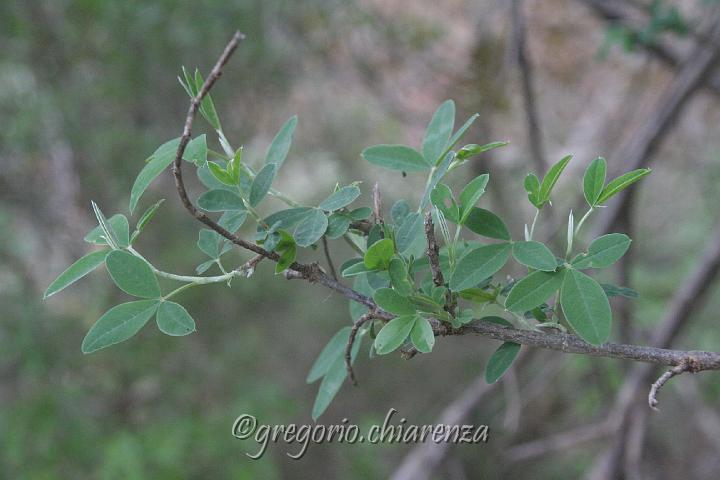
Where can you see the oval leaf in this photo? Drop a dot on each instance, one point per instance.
(391, 301)
(310, 228)
(500, 361)
(479, 264)
(535, 255)
(76, 271)
(422, 335)
(485, 223)
(411, 228)
(158, 161)
(172, 319)
(342, 198)
(379, 254)
(604, 251)
(280, 146)
(261, 184)
(472, 193)
(438, 132)
(621, 183)
(399, 278)
(586, 307)
(533, 290)
(118, 223)
(442, 198)
(220, 200)
(594, 180)
(551, 179)
(132, 275)
(331, 352)
(118, 324)
(396, 157)
(393, 334)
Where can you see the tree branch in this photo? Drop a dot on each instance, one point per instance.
(567, 343)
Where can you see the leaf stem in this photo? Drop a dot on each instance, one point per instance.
(532, 227)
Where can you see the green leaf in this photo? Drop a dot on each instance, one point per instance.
(594, 180)
(479, 264)
(361, 213)
(500, 361)
(422, 335)
(532, 187)
(379, 254)
(399, 211)
(196, 151)
(132, 275)
(158, 161)
(474, 149)
(210, 181)
(396, 157)
(280, 146)
(222, 175)
(497, 320)
(119, 226)
(477, 295)
(209, 243)
(399, 278)
(393, 334)
(535, 255)
(287, 249)
(356, 269)
(145, 218)
(334, 349)
(409, 231)
(343, 197)
(203, 267)
(461, 131)
(311, 228)
(288, 218)
(172, 319)
(262, 183)
(118, 324)
(485, 223)
(333, 380)
(442, 198)
(533, 290)
(604, 251)
(438, 132)
(391, 301)
(76, 271)
(551, 179)
(338, 224)
(108, 233)
(220, 201)
(586, 307)
(621, 183)
(471, 194)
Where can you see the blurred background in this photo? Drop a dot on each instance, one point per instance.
(88, 90)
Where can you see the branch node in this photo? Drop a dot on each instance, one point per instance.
(688, 364)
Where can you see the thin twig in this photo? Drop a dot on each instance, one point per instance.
(433, 251)
(351, 340)
(331, 266)
(377, 204)
(310, 272)
(687, 365)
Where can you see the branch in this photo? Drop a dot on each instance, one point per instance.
(433, 251)
(310, 272)
(330, 263)
(686, 366)
(351, 340)
(567, 343)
